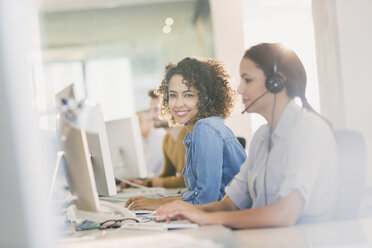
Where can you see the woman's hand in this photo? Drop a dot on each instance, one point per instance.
(143, 203)
(182, 210)
(132, 180)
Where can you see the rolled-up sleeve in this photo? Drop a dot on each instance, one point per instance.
(238, 190)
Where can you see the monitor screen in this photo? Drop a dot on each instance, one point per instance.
(126, 148)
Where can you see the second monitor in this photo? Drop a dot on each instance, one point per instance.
(126, 148)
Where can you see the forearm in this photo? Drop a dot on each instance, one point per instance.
(170, 198)
(284, 212)
(174, 181)
(249, 218)
(224, 205)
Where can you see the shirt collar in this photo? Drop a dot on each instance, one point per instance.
(287, 119)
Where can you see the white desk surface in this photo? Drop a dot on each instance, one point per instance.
(221, 236)
(353, 233)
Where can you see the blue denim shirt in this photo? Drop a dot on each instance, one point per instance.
(213, 157)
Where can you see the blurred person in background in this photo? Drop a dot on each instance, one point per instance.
(173, 150)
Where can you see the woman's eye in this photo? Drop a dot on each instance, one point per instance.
(189, 95)
(247, 80)
(172, 95)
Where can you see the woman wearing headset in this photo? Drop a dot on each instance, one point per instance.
(290, 175)
(197, 94)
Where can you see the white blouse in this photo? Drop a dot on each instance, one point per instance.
(303, 157)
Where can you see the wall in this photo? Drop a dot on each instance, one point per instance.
(343, 42)
(228, 34)
(130, 31)
(23, 161)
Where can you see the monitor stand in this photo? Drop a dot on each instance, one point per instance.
(108, 211)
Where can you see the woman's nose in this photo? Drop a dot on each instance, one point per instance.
(240, 88)
(179, 101)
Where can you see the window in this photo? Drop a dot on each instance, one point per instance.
(289, 22)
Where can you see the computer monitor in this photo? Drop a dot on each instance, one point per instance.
(80, 178)
(97, 144)
(101, 159)
(79, 171)
(126, 148)
(64, 95)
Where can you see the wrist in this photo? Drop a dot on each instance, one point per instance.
(217, 218)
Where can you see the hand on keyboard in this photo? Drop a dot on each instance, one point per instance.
(143, 203)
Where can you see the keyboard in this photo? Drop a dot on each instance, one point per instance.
(147, 192)
(154, 226)
(144, 212)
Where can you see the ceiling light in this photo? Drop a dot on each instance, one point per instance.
(169, 21)
(167, 29)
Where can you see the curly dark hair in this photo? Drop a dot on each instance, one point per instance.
(212, 81)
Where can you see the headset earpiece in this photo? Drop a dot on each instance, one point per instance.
(275, 82)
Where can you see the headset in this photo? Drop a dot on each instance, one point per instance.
(275, 82)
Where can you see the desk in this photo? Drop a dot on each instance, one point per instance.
(353, 233)
(206, 236)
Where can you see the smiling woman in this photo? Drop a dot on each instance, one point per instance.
(183, 100)
(196, 94)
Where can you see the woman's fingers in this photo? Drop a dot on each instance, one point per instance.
(143, 203)
(132, 200)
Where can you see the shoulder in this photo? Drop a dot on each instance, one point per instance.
(208, 130)
(311, 123)
(312, 130)
(260, 134)
(213, 124)
(211, 121)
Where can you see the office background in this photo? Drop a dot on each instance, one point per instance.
(78, 39)
(115, 51)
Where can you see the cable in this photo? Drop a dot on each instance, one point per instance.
(269, 146)
(60, 154)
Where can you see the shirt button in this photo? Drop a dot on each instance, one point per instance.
(196, 193)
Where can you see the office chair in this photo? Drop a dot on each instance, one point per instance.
(241, 141)
(353, 166)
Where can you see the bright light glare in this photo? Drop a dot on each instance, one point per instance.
(167, 29)
(169, 21)
(291, 25)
